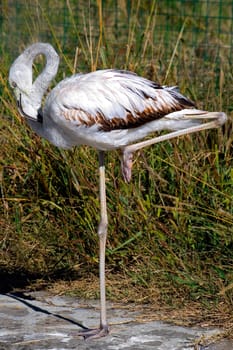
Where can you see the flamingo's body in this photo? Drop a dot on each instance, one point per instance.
(106, 109)
(109, 109)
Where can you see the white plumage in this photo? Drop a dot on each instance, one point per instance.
(102, 109)
(106, 109)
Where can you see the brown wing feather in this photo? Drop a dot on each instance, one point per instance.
(165, 101)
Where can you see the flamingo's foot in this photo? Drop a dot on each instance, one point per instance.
(126, 165)
(94, 333)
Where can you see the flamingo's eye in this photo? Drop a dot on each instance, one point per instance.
(13, 84)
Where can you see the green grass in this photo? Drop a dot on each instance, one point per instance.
(172, 226)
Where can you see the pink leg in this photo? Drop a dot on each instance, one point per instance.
(103, 329)
(218, 119)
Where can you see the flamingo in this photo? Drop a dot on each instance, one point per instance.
(106, 109)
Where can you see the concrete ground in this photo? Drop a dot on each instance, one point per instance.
(44, 321)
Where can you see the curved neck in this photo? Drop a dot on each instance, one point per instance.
(42, 82)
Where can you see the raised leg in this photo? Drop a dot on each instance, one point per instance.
(103, 330)
(217, 119)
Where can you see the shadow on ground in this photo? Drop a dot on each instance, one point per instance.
(22, 279)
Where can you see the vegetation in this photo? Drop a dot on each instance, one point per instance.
(170, 235)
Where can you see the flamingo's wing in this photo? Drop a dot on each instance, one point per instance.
(112, 99)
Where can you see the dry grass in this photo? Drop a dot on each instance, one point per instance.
(122, 292)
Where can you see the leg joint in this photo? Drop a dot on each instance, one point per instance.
(103, 227)
(221, 118)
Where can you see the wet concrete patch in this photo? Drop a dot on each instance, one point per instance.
(51, 322)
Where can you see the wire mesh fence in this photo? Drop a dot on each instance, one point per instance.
(153, 30)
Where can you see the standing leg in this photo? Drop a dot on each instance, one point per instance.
(102, 232)
(103, 330)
